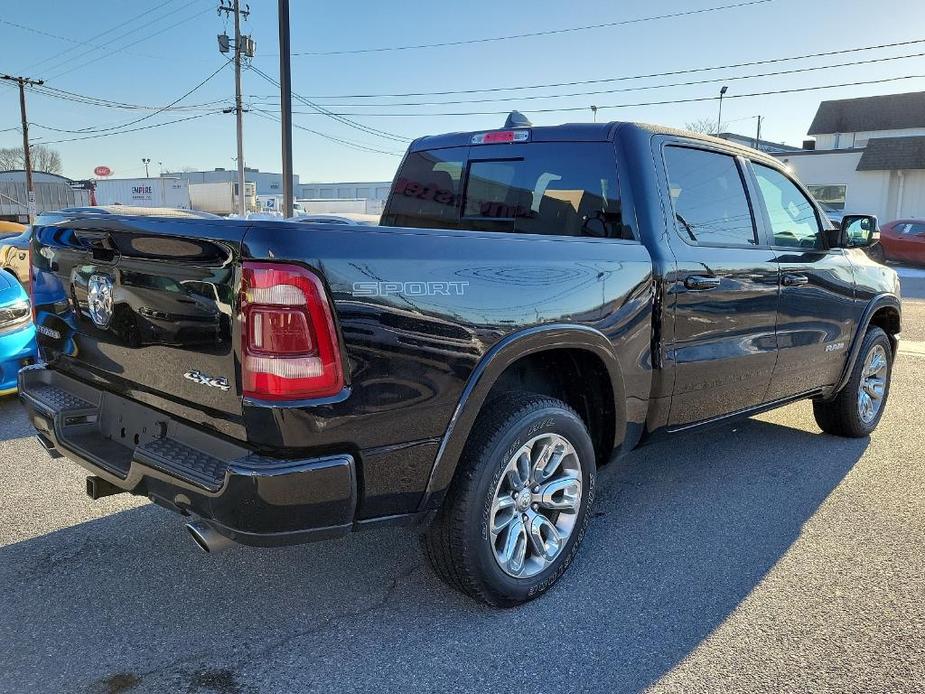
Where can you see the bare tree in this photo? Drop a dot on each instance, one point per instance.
(43, 159)
(10, 158)
(705, 126)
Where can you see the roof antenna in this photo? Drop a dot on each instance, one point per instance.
(517, 120)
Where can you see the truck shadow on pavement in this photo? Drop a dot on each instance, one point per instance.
(684, 531)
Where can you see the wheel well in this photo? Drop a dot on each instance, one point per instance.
(575, 376)
(887, 318)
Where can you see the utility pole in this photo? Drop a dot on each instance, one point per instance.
(27, 155)
(242, 45)
(594, 113)
(146, 161)
(285, 105)
(758, 133)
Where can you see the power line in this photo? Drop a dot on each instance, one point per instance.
(605, 80)
(131, 130)
(143, 118)
(712, 80)
(57, 57)
(338, 117)
(534, 34)
(65, 95)
(133, 42)
(269, 115)
(59, 37)
(567, 109)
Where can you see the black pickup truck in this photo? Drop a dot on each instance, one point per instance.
(537, 301)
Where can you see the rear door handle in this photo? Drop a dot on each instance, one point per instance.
(795, 280)
(701, 282)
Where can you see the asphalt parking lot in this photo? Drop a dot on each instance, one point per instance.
(762, 556)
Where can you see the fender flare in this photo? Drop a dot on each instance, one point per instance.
(878, 302)
(489, 369)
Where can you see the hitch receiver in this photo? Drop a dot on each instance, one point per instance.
(97, 488)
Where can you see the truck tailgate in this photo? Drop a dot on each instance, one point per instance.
(143, 306)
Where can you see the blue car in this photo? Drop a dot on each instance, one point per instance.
(17, 333)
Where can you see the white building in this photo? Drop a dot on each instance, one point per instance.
(52, 192)
(363, 190)
(869, 155)
(266, 182)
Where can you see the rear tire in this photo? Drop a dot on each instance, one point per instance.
(858, 407)
(499, 536)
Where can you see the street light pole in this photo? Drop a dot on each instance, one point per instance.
(146, 161)
(719, 119)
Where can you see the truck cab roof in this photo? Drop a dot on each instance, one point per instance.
(578, 132)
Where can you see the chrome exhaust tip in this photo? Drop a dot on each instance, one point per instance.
(208, 538)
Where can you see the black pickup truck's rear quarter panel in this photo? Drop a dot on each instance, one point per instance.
(418, 310)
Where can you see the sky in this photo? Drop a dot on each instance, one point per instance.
(150, 54)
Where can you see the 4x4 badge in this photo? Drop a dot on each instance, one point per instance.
(198, 377)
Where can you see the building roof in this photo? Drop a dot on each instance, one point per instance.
(763, 145)
(893, 153)
(886, 112)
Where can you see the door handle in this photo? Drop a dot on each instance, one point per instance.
(701, 282)
(795, 280)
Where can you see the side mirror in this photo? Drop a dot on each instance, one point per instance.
(859, 231)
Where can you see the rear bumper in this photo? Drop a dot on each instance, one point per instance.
(249, 498)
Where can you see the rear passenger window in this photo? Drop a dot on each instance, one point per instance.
(426, 192)
(567, 189)
(793, 217)
(708, 197)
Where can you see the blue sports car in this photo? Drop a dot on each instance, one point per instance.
(17, 333)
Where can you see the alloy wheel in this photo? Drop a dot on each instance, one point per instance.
(873, 384)
(535, 507)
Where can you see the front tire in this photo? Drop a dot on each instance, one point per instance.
(857, 409)
(519, 506)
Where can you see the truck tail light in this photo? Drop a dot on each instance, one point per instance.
(290, 349)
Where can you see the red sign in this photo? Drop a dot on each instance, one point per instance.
(102, 171)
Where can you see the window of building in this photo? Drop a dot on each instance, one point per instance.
(327, 193)
(832, 196)
(708, 195)
(793, 217)
(362, 192)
